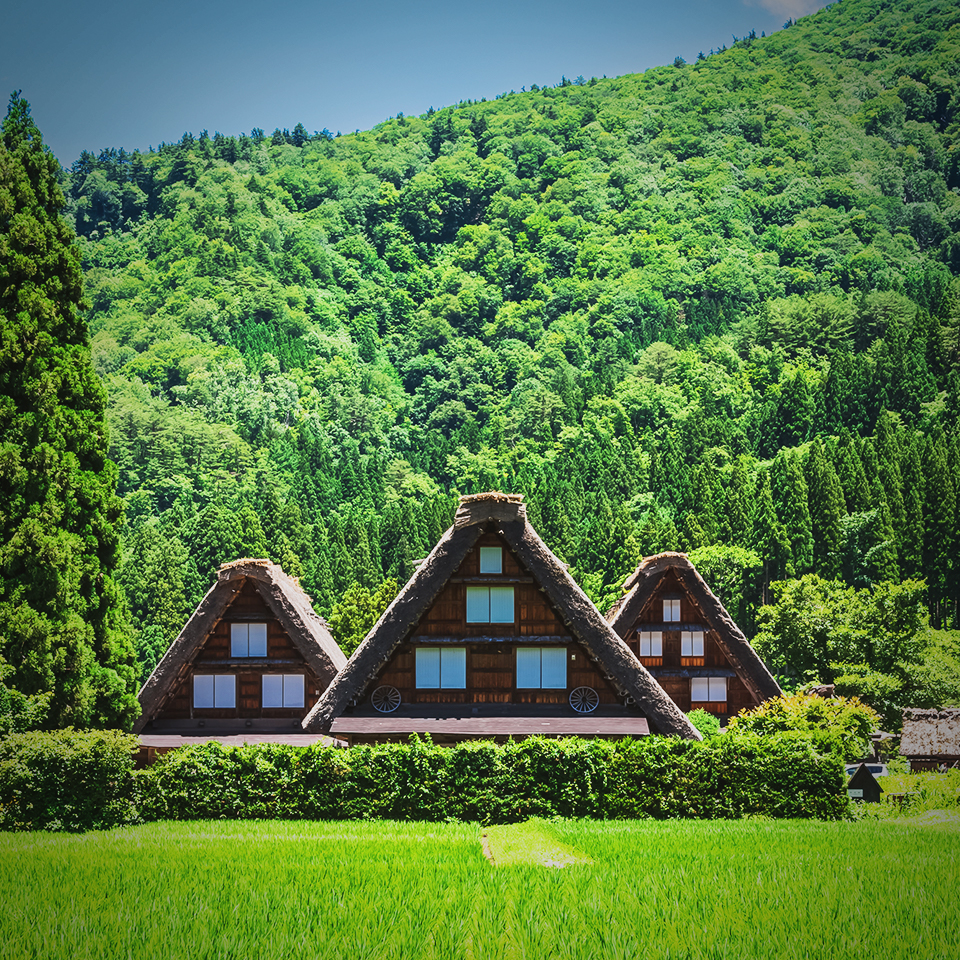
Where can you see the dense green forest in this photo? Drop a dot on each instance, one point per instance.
(712, 307)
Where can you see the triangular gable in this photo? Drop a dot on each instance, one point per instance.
(505, 515)
(642, 584)
(285, 601)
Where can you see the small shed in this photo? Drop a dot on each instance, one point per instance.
(863, 786)
(931, 739)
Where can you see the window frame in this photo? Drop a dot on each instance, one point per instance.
(714, 684)
(651, 638)
(285, 680)
(456, 658)
(215, 688)
(526, 653)
(476, 590)
(671, 605)
(236, 644)
(690, 636)
(488, 552)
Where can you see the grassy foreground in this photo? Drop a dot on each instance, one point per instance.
(735, 889)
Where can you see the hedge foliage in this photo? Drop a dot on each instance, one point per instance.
(67, 780)
(731, 776)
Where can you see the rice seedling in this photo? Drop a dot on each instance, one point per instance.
(675, 889)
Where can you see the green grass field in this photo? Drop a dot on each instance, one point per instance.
(557, 889)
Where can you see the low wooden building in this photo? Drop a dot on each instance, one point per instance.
(254, 657)
(492, 638)
(683, 635)
(931, 739)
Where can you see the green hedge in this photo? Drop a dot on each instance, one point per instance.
(730, 776)
(67, 780)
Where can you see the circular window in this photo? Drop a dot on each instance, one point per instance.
(385, 699)
(584, 699)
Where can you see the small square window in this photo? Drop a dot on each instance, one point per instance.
(490, 605)
(691, 643)
(491, 560)
(671, 611)
(248, 639)
(651, 643)
(441, 668)
(708, 689)
(212, 691)
(541, 668)
(282, 690)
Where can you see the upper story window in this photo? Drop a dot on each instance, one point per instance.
(707, 689)
(651, 643)
(282, 690)
(671, 611)
(691, 643)
(248, 639)
(491, 560)
(213, 690)
(542, 668)
(490, 605)
(441, 668)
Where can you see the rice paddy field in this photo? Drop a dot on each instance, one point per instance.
(551, 889)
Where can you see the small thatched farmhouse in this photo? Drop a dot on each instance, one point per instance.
(682, 634)
(931, 738)
(254, 657)
(491, 637)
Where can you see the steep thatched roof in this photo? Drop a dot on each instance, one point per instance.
(931, 733)
(506, 515)
(285, 600)
(640, 586)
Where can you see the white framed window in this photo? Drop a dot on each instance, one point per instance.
(490, 605)
(651, 643)
(491, 560)
(705, 689)
(671, 611)
(248, 639)
(542, 668)
(282, 690)
(691, 643)
(441, 668)
(214, 691)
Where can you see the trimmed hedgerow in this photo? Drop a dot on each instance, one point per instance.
(728, 777)
(67, 780)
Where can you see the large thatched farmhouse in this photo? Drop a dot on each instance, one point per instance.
(682, 634)
(254, 657)
(491, 637)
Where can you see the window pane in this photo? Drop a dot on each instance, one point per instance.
(699, 689)
(528, 667)
(686, 643)
(553, 668)
(501, 604)
(718, 688)
(203, 691)
(272, 691)
(491, 560)
(656, 643)
(453, 668)
(293, 690)
(258, 639)
(478, 605)
(671, 611)
(238, 640)
(428, 668)
(225, 691)
(696, 643)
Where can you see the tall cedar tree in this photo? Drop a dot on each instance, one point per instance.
(63, 630)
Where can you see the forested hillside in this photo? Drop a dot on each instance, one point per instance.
(713, 307)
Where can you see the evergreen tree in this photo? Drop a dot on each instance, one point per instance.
(940, 532)
(768, 537)
(791, 499)
(63, 630)
(913, 532)
(826, 511)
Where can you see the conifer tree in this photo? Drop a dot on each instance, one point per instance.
(826, 512)
(939, 529)
(63, 631)
(768, 537)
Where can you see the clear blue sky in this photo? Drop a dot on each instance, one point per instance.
(112, 73)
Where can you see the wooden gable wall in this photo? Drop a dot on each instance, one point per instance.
(667, 669)
(491, 657)
(214, 657)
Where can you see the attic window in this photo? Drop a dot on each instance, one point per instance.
(708, 689)
(651, 643)
(441, 668)
(490, 605)
(491, 560)
(671, 611)
(691, 643)
(248, 639)
(214, 691)
(282, 690)
(542, 668)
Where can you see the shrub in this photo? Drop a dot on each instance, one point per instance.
(706, 723)
(839, 723)
(67, 780)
